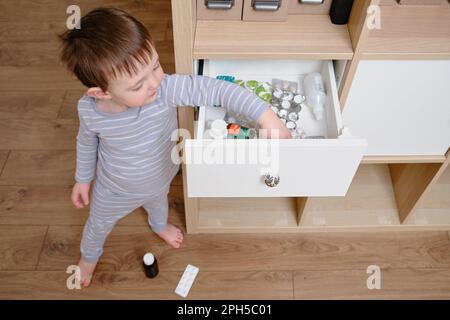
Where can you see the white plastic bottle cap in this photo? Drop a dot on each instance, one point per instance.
(278, 93)
(286, 104)
(299, 99)
(149, 259)
(291, 125)
(218, 129)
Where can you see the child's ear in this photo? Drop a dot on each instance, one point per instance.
(98, 93)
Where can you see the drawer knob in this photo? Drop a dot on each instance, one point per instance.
(271, 180)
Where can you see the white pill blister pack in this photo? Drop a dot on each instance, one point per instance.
(186, 281)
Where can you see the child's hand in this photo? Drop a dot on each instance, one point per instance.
(80, 194)
(272, 126)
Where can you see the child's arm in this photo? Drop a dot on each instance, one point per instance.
(87, 143)
(188, 90)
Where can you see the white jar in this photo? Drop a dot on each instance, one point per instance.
(218, 129)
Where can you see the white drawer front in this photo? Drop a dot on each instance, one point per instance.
(305, 167)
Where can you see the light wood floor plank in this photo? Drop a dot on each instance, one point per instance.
(3, 157)
(50, 10)
(33, 105)
(39, 168)
(51, 205)
(61, 248)
(25, 134)
(37, 54)
(31, 31)
(20, 246)
(69, 105)
(30, 53)
(255, 252)
(134, 285)
(37, 78)
(352, 284)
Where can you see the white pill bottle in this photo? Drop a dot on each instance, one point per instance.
(315, 93)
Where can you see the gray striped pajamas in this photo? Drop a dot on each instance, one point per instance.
(129, 153)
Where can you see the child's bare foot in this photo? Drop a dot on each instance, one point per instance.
(172, 235)
(86, 271)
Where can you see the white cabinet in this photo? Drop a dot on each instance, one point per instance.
(305, 167)
(401, 107)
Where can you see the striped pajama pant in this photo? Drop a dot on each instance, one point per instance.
(107, 208)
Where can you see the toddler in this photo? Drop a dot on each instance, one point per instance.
(126, 117)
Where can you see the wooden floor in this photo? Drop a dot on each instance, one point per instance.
(40, 230)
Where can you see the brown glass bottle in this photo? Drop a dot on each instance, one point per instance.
(150, 265)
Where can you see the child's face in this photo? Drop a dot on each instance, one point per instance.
(139, 89)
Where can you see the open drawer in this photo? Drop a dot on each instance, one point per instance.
(278, 168)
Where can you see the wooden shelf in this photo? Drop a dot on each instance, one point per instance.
(402, 159)
(300, 37)
(412, 32)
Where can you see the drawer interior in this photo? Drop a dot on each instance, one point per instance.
(306, 167)
(292, 70)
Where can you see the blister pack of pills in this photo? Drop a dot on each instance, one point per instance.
(287, 104)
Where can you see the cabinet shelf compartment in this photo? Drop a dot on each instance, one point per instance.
(251, 214)
(300, 37)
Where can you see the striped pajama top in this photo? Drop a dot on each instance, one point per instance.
(130, 152)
